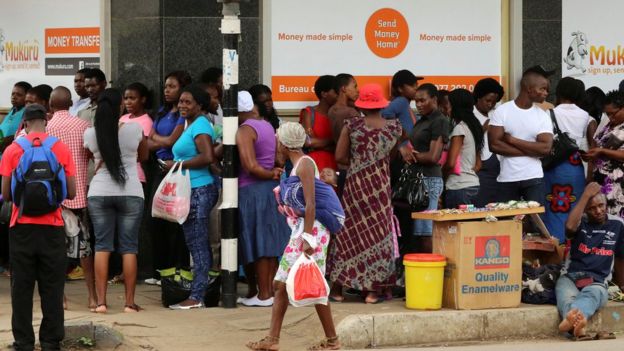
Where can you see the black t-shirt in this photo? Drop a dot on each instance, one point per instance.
(429, 128)
(595, 246)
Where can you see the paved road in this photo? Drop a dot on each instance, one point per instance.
(532, 345)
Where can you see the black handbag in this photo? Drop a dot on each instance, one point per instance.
(563, 146)
(411, 188)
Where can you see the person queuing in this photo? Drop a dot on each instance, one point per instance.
(263, 98)
(314, 119)
(194, 151)
(70, 130)
(136, 101)
(487, 93)
(347, 89)
(308, 236)
(565, 182)
(95, 83)
(168, 243)
(37, 241)
(521, 133)
(115, 197)
(83, 99)
(13, 119)
(428, 138)
(263, 232)
(366, 240)
(608, 155)
(462, 183)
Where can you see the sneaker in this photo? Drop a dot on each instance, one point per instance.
(256, 302)
(76, 274)
(177, 306)
(152, 281)
(158, 283)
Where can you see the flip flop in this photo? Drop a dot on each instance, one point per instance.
(585, 337)
(604, 335)
(336, 299)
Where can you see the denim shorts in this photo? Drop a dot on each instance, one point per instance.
(122, 214)
(434, 187)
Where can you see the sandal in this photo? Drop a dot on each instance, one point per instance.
(118, 279)
(268, 343)
(585, 337)
(326, 344)
(132, 308)
(101, 308)
(604, 335)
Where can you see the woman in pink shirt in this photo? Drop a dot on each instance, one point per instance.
(136, 98)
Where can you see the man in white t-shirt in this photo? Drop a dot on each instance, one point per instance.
(522, 133)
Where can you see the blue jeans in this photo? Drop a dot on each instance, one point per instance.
(434, 187)
(527, 190)
(195, 228)
(465, 196)
(588, 300)
(123, 213)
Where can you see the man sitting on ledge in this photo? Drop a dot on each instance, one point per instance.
(597, 243)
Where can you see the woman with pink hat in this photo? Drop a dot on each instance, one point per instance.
(363, 255)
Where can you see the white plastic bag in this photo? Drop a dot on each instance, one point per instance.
(306, 284)
(172, 200)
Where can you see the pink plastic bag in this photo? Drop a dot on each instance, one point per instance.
(172, 200)
(457, 168)
(306, 284)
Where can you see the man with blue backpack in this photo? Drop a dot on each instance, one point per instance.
(38, 173)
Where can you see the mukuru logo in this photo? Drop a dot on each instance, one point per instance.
(492, 252)
(20, 54)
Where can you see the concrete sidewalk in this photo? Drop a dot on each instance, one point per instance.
(359, 325)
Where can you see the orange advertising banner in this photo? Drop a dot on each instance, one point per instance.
(301, 88)
(72, 40)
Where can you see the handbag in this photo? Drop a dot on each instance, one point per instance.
(411, 188)
(563, 146)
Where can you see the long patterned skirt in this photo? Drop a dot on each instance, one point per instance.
(361, 255)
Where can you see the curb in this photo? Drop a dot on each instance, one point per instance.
(440, 327)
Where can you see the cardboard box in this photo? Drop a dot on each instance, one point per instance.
(484, 263)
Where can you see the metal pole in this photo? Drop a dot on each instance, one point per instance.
(230, 28)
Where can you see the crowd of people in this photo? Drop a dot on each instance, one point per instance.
(115, 149)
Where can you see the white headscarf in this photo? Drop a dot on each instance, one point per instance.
(292, 135)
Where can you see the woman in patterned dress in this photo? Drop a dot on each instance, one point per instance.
(308, 235)
(362, 255)
(608, 157)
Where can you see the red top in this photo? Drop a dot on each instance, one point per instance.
(322, 129)
(424, 258)
(10, 160)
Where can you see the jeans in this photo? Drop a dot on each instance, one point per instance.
(195, 229)
(465, 196)
(527, 190)
(434, 186)
(37, 254)
(122, 213)
(588, 300)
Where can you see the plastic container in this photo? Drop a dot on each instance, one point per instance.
(424, 281)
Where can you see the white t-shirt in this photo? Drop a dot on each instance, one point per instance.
(526, 125)
(102, 184)
(467, 158)
(574, 121)
(485, 151)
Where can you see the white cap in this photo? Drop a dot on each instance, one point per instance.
(245, 102)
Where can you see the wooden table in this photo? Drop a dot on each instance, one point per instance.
(441, 216)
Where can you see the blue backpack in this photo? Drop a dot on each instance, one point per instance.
(38, 184)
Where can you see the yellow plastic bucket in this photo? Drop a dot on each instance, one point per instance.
(424, 281)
